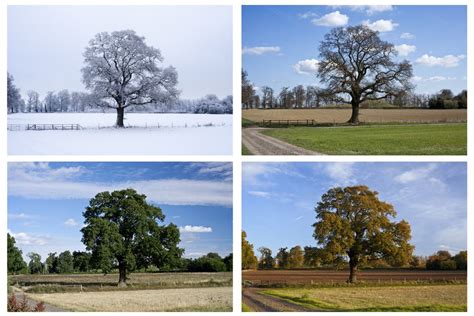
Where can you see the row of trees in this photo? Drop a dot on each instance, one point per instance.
(82, 261)
(308, 97)
(65, 101)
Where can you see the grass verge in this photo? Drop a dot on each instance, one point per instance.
(245, 308)
(447, 298)
(418, 139)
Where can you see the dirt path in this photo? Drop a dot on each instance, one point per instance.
(259, 144)
(19, 295)
(263, 303)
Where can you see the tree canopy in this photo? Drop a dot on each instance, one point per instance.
(122, 230)
(352, 222)
(15, 261)
(122, 71)
(249, 260)
(356, 63)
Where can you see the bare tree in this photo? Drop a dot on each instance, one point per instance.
(122, 71)
(33, 103)
(357, 63)
(248, 92)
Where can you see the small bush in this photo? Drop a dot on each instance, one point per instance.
(13, 305)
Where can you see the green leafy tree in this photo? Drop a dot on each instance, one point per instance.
(461, 260)
(15, 261)
(52, 263)
(266, 260)
(249, 260)
(35, 266)
(352, 222)
(295, 257)
(228, 260)
(122, 230)
(81, 261)
(282, 258)
(65, 262)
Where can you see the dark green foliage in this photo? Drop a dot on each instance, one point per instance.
(35, 266)
(443, 260)
(212, 262)
(65, 262)
(81, 261)
(445, 99)
(52, 263)
(229, 262)
(15, 261)
(266, 260)
(282, 258)
(461, 260)
(122, 230)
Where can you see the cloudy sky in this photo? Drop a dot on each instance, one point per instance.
(46, 43)
(280, 43)
(46, 201)
(279, 200)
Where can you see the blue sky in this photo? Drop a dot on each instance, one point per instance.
(46, 43)
(279, 199)
(46, 201)
(280, 43)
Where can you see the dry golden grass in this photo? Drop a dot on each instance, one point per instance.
(366, 115)
(196, 299)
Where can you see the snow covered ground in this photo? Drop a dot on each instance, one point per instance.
(148, 134)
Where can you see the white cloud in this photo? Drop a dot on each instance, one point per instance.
(381, 25)
(407, 35)
(416, 174)
(195, 229)
(433, 78)
(71, 222)
(332, 19)
(19, 216)
(260, 50)
(163, 191)
(307, 66)
(261, 194)
(29, 239)
(404, 49)
(373, 9)
(307, 15)
(447, 61)
(341, 172)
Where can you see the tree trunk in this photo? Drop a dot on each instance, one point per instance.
(353, 270)
(355, 112)
(122, 274)
(120, 112)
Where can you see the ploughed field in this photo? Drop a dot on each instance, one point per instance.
(268, 277)
(365, 115)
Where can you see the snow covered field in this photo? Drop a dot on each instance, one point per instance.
(148, 134)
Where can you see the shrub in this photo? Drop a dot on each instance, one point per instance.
(13, 305)
(448, 265)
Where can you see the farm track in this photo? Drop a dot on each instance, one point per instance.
(315, 276)
(259, 144)
(32, 303)
(258, 302)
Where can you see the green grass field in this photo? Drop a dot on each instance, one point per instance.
(420, 298)
(245, 150)
(420, 139)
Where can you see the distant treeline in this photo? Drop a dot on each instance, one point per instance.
(314, 257)
(65, 101)
(300, 97)
(80, 262)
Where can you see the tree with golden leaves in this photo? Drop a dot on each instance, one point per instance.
(352, 222)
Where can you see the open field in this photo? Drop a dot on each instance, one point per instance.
(94, 282)
(268, 277)
(149, 134)
(451, 297)
(366, 115)
(202, 299)
(420, 139)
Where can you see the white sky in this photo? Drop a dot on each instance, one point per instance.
(46, 43)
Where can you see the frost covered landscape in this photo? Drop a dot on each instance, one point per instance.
(145, 133)
(120, 86)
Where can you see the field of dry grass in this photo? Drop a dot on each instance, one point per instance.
(202, 299)
(366, 115)
(175, 279)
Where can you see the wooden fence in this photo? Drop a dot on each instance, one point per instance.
(270, 123)
(54, 127)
